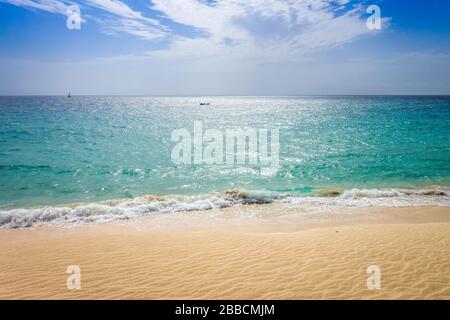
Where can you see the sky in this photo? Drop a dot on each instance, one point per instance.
(223, 47)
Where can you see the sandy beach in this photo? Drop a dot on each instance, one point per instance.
(219, 255)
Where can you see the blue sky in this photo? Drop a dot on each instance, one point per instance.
(229, 47)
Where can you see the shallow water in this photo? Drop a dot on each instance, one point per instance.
(56, 150)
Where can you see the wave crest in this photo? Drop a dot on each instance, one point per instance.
(106, 211)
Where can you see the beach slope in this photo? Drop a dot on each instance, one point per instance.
(322, 257)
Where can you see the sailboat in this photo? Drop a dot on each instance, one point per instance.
(69, 96)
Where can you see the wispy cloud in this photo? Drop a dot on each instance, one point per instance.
(119, 8)
(53, 6)
(268, 29)
(127, 20)
(289, 28)
(114, 16)
(134, 27)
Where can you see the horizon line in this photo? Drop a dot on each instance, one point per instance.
(225, 95)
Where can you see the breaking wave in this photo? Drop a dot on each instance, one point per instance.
(106, 211)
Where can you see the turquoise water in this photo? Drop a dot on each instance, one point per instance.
(56, 150)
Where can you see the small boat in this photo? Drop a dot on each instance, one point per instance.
(69, 96)
(205, 103)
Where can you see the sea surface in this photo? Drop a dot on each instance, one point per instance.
(100, 158)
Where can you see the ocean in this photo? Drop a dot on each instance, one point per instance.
(99, 158)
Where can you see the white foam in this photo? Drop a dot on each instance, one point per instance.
(389, 193)
(142, 206)
(358, 198)
(99, 212)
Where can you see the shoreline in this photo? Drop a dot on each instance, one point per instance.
(291, 255)
(105, 211)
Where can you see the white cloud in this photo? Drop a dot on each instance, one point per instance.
(120, 9)
(53, 6)
(255, 29)
(127, 21)
(131, 26)
(267, 29)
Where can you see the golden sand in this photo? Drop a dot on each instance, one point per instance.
(217, 256)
